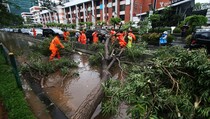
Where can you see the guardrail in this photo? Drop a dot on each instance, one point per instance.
(10, 60)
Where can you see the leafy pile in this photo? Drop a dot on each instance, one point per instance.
(38, 64)
(173, 84)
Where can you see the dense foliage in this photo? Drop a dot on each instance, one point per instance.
(153, 38)
(8, 19)
(194, 20)
(115, 21)
(13, 98)
(37, 61)
(173, 84)
(165, 17)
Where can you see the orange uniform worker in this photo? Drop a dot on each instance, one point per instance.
(95, 37)
(132, 35)
(82, 38)
(34, 32)
(120, 38)
(112, 32)
(66, 35)
(55, 43)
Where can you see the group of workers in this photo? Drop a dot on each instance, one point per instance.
(124, 38)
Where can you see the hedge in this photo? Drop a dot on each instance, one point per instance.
(13, 98)
(153, 38)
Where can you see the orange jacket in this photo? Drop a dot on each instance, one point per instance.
(54, 43)
(120, 37)
(95, 37)
(132, 35)
(112, 32)
(34, 32)
(64, 34)
(82, 38)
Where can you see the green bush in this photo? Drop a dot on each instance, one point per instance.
(188, 39)
(43, 47)
(13, 98)
(159, 29)
(153, 38)
(177, 30)
(170, 38)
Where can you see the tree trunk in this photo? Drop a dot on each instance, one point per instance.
(89, 105)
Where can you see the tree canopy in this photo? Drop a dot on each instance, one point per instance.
(8, 19)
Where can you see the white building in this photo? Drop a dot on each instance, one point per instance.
(35, 11)
(26, 16)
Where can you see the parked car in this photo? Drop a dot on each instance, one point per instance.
(38, 32)
(101, 35)
(201, 38)
(51, 32)
(25, 30)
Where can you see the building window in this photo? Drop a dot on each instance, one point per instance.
(122, 17)
(81, 13)
(98, 11)
(113, 1)
(98, 19)
(122, 7)
(98, 3)
(113, 9)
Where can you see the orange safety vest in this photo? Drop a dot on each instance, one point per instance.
(34, 32)
(54, 43)
(95, 37)
(120, 37)
(82, 38)
(132, 35)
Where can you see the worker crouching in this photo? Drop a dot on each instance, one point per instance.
(54, 47)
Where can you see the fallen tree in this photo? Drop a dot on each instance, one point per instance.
(88, 106)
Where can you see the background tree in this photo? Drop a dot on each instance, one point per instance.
(197, 6)
(165, 17)
(194, 20)
(115, 21)
(88, 24)
(155, 19)
(143, 26)
(8, 19)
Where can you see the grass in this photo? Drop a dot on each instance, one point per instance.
(13, 98)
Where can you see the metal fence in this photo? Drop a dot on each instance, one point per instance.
(10, 60)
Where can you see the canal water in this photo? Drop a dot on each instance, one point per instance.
(66, 93)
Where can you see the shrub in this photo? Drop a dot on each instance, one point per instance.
(159, 29)
(177, 30)
(13, 98)
(188, 39)
(170, 38)
(153, 38)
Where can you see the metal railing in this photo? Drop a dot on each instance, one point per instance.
(10, 60)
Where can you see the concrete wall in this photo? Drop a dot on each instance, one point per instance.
(16, 42)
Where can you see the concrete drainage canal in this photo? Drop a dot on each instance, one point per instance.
(59, 96)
